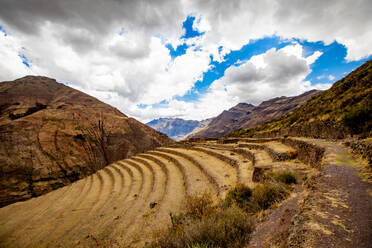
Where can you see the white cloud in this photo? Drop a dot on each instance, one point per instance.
(115, 50)
(272, 74)
(234, 23)
(331, 77)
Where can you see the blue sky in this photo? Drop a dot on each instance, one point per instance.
(328, 68)
(185, 59)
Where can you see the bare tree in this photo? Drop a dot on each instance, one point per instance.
(95, 143)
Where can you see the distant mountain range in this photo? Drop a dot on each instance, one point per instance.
(243, 115)
(177, 128)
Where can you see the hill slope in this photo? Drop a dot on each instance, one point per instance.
(344, 109)
(51, 135)
(246, 115)
(176, 128)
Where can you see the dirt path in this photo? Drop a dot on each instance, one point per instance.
(333, 210)
(338, 209)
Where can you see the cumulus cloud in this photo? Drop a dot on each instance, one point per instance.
(234, 23)
(331, 77)
(275, 73)
(115, 50)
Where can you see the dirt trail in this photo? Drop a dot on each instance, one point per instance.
(334, 210)
(338, 210)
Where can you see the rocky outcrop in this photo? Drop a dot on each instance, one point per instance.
(52, 135)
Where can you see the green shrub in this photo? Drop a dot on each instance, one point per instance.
(287, 177)
(358, 116)
(226, 227)
(265, 195)
(239, 195)
(198, 207)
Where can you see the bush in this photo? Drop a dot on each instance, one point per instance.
(292, 154)
(239, 195)
(286, 177)
(358, 117)
(265, 195)
(199, 206)
(204, 224)
(230, 227)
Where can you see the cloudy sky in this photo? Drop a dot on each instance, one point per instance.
(185, 58)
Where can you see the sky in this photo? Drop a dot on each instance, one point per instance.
(188, 59)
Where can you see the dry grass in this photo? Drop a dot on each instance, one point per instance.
(286, 177)
(292, 154)
(239, 195)
(204, 224)
(228, 224)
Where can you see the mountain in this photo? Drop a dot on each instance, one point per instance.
(177, 128)
(343, 110)
(247, 115)
(52, 135)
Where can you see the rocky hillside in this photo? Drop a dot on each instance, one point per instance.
(52, 135)
(247, 115)
(344, 109)
(177, 128)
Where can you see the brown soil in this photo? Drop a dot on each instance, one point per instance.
(120, 206)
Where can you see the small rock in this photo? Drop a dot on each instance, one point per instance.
(153, 204)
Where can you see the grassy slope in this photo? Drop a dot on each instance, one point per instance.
(348, 103)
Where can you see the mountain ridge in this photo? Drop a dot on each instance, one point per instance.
(341, 111)
(52, 135)
(247, 115)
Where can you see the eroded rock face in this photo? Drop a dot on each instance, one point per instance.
(52, 135)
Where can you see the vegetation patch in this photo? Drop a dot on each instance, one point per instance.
(265, 195)
(226, 224)
(292, 154)
(204, 224)
(239, 195)
(287, 177)
(31, 110)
